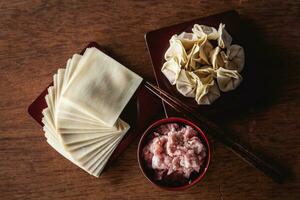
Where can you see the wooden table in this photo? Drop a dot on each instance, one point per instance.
(37, 37)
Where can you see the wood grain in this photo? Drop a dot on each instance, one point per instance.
(38, 36)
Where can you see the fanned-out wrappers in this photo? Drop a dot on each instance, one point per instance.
(81, 120)
(204, 63)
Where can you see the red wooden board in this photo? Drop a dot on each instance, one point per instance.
(142, 109)
(248, 92)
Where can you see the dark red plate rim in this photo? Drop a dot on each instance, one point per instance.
(203, 138)
(251, 89)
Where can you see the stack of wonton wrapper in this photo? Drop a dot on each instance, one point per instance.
(82, 120)
(203, 63)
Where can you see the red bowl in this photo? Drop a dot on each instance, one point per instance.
(148, 172)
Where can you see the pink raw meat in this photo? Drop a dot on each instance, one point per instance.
(174, 149)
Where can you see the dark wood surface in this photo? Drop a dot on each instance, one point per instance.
(37, 37)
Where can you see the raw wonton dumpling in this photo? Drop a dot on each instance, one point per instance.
(187, 40)
(195, 56)
(216, 58)
(207, 90)
(234, 58)
(176, 50)
(224, 39)
(204, 53)
(192, 57)
(228, 79)
(186, 84)
(205, 31)
(199, 68)
(171, 70)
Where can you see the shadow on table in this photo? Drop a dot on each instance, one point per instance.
(264, 68)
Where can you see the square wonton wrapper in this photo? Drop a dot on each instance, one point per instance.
(77, 120)
(90, 150)
(100, 86)
(100, 163)
(74, 133)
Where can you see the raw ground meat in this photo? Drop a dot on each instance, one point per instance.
(174, 149)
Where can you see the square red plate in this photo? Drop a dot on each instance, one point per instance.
(142, 109)
(248, 92)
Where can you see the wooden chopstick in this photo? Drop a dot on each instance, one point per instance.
(217, 133)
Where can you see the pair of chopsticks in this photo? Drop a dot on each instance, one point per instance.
(217, 133)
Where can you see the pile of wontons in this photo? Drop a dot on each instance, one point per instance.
(82, 120)
(204, 62)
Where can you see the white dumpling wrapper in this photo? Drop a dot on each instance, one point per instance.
(176, 50)
(61, 81)
(234, 58)
(207, 90)
(101, 158)
(59, 148)
(70, 68)
(205, 31)
(81, 136)
(193, 56)
(171, 70)
(66, 74)
(101, 87)
(224, 39)
(88, 143)
(228, 79)
(186, 84)
(217, 60)
(187, 40)
(98, 158)
(204, 53)
(202, 70)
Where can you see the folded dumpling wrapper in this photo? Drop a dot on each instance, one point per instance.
(200, 67)
(186, 84)
(205, 31)
(176, 50)
(234, 59)
(171, 70)
(207, 90)
(188, 40)
(228, 79)
(204, 53)
(224, 39)
(193, 56)
(216, 59)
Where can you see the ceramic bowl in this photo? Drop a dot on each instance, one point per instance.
(149, 173)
